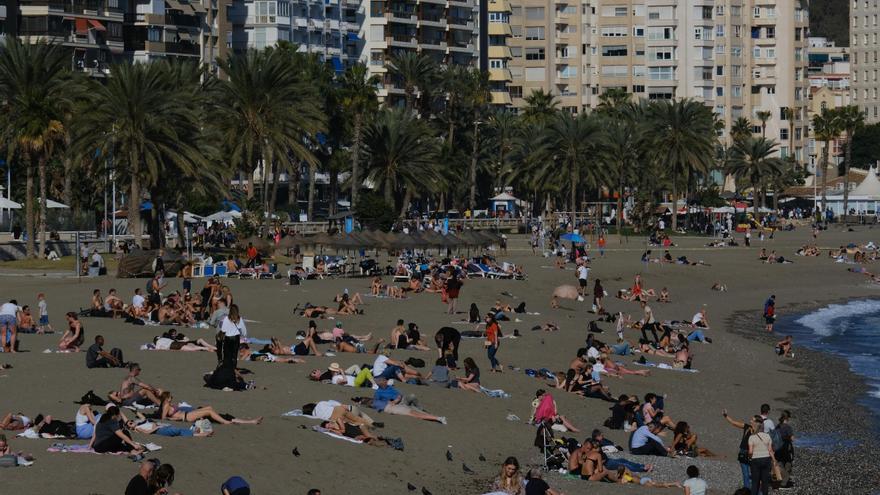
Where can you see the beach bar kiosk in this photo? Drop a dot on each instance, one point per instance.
(504, 204)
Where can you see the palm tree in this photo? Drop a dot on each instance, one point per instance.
(572, 139)
(477, 98)
(400, 154)
(541, 106)
(852, 120)
(613, 100)
(826, 127)
(754, 160)
(763, 116)
(619, 151)
(741, 129)
(145, 121)
(503, 127)
(681, 137)
(359, 100)
(37, 91)
(268, 107)
(414, 70)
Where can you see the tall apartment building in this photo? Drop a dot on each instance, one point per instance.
(156, 29)
(92, 29)
(498, 52)
(864, 58)
(737, 56)
(445, 30)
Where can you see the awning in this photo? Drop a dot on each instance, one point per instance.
(175, 5)
(82, 26)
(198, 7)
(337, 64)
(184, 36)
(353, 37)
(97, 25)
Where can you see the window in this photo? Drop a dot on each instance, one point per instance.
(638, 71)
(535, 33)
(516, 11)
(614, 70)
(707, 12)
(660, 33)
(260, 37)
(719, 49)
(756, 52)
(735, 10)
(719, 91)
(535, 13)
(515, 91)
(614, 51)
(719, 30)
(615, 31)
(719, 70)
(620, 11)
(566, 52)
(783, 134)
(114, 4)
(264, 14)
(534, 74)
(639, 31)
(660, 73)
(535, 54)
(736, 70)
(770, 32)
(516, 51)
(661, 53)
(736, 51)
(568, 72)
(154, 34)
(114, 29)
(496, 63)
(719, 10)
(498, 17)
(638, 88)
(736, 91)
(516, 31)
(756, 12)
(771, 53)
(737, 31)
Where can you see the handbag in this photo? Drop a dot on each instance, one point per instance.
(776, 471)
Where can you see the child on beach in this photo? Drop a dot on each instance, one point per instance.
(43, 325)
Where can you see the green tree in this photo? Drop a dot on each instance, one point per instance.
(400, 154)
(852, 121)
(753, 160)
(681, 138)
(866, 147)
(740, 130)
(414, 70)
(572, 141)
(359, 101)
(620, 152)
(37, 92)
(145, 122)
(763, 116)
(541, 106)
(503, 127)
(826, 127)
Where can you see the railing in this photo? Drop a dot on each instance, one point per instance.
(467, 224)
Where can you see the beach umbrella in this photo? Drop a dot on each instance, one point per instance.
(566, 292)
(573, 238)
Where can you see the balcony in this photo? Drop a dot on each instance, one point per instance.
(91, 8)
(499, 6)
(501, 98)
(499, 29)
(402, 17)
(500, 75)
(462, 23)
(462, 48)
(405, 41)
(500, 52)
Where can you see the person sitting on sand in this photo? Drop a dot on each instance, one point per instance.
(783, 347)
(389, 400)
(110, 435)
(592, 467)
(85, 421)
(510, 481)
(188, 413)
(651, 412)
(685, 442)
(664, 296)
(113, 304)
(25, 322)
(544, 409)
(392, 369)
(718, 286)
(377, 287)
(133, 389)
(644, 441)
(471, 379)
(74, 337)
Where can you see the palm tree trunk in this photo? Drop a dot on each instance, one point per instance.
(825, 177)
(29, 208)
(389, 199)
(181, 223)
(355, 157)
(313, 169)
(791, 138)
(755, 200)
(407, 198)
(620, 201)
(42, 173)
(674, 198)
(410, 98)
(293, 187)
(134, 201)
(67, 192)
(334, 191)
(573, 174)
(250, 187)
(273, 196)
(849, 134)
(472, 175)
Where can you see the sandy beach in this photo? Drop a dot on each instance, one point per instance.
(739, 371)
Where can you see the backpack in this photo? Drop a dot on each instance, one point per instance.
(416, 362)
(92, 399)
(776, 441)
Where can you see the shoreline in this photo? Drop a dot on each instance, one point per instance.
(826, 404)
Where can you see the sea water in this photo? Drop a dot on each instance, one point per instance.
(850, 330)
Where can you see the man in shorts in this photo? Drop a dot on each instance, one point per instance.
(8, 329)
(583, 273)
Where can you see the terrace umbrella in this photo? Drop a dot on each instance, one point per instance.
(572, 237)
(566, 292)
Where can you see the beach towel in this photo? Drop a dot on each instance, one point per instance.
(76, 448)
(334, 435)
(297, 413)
(664, 366)
(497, 393)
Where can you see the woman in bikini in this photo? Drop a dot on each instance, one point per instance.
(619, 370)
(592, 468)
(189, 414)
(685, 442)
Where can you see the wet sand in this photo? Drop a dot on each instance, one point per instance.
(737, 372)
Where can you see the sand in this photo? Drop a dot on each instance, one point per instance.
(737, 372)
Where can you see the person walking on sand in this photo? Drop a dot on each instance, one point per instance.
(453, 287)
(770, 313)
(493, 342)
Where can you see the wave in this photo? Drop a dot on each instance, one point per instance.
(821, 321)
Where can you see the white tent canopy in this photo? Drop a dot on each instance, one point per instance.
(8, 204)
(55, 204)
(504, 197)
(870, 187)
(223, 216)
(188, 217)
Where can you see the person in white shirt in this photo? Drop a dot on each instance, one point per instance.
(583, 274)
(234, 331)
(8, 326)
(694, 485)
(97, 259)
(768, 424)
